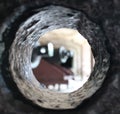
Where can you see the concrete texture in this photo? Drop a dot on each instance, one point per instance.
(106, 13)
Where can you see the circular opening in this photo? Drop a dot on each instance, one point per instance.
(62, 60)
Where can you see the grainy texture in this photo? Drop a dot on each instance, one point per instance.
(105, 13)
(29, 33)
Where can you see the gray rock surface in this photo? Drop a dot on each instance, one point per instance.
(106, 13)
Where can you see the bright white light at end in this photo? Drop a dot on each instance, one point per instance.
(43, 50)
(50, 49)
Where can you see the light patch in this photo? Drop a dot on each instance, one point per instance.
(43, 50)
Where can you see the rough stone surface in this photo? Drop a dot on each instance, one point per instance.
(47, 19)
(105, 13)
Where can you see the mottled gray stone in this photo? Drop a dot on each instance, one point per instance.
(106, 100)
(47, 19)
(2, 47)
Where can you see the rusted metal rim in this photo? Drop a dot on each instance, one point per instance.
(47, 19)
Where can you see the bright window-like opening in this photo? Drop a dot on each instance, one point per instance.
(62, 60)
